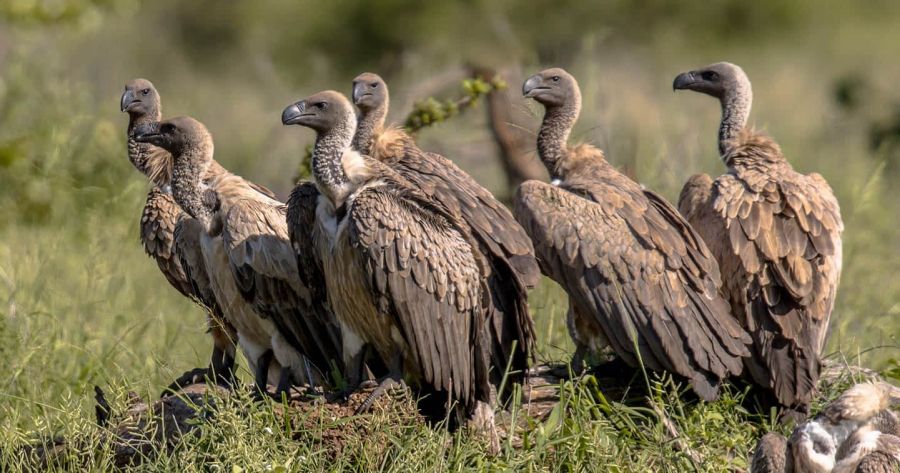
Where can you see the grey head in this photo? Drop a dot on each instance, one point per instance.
(175, 135)
(717, 80)
(140, 99)
(369, 91)
(552, 87)
(728, 83)
(322, 112)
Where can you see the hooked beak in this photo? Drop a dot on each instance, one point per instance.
(684, 81)
(359, 91)
(532, 85)
(128, 99)
(146, 133)
(292, 113)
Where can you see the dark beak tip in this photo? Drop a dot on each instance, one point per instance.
(290, 115)
(682, 81)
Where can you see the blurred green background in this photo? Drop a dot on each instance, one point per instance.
(79, 302)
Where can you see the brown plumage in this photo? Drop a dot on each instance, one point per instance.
(771, 455)
(776, 234)
(402, 272)
(503, 242)
(638, 277)
(160, 216)
(247, 256)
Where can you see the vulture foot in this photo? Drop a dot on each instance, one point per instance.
(386, 384)
(577, 363)
(194, 376)
(261, 376)
(482, 423)
(222, 369)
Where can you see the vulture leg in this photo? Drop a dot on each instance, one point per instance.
(482, 422)
(577, 362)
(393, 379)
(222, 362)
(284, 384)
(222, 368)
(262, 372)
(221, 365)
(356, 370)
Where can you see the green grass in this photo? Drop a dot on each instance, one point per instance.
(81, 305)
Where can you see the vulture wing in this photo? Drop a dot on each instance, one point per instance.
(265, 270)
(500, 237)
(301, 218)
(627, 257)
(694, 199)
(780, 231)
(160, 216)
(423, 273)
(187, 238)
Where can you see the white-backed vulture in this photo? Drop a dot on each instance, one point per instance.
(251, 265)
(855, 432)
(159, 218)
(776, 234)
(639, 278)
(402, 272)
(502, 241)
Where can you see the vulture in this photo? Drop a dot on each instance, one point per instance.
(501, 240)
(162, 214)
(857, 432)
(246, 254)
(776, 234)
(403, 273)
(639, 279)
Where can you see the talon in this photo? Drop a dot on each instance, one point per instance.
(383, 387)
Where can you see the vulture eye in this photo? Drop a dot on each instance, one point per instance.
(375, 85)
(555, 79)
(322, 105)
(709, 75)
(167, 128)
(145, 92)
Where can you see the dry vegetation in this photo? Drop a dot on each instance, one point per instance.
(81, 305)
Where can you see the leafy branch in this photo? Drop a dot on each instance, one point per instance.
(432, 111)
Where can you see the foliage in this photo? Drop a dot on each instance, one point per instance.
(431, 111)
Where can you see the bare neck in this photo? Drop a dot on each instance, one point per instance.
(191, 165)
(735, 111)
(371, 121)
(327, 167)
(554, 134)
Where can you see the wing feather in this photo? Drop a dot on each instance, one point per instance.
(785, 261)
(635, 260)
(438, 329)
(508, 249)
(264, 265)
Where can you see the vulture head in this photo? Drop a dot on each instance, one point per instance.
(552, 87)
(717, 80)
(175, 135)
(323, 112)
(140, 98)
(369, 91)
